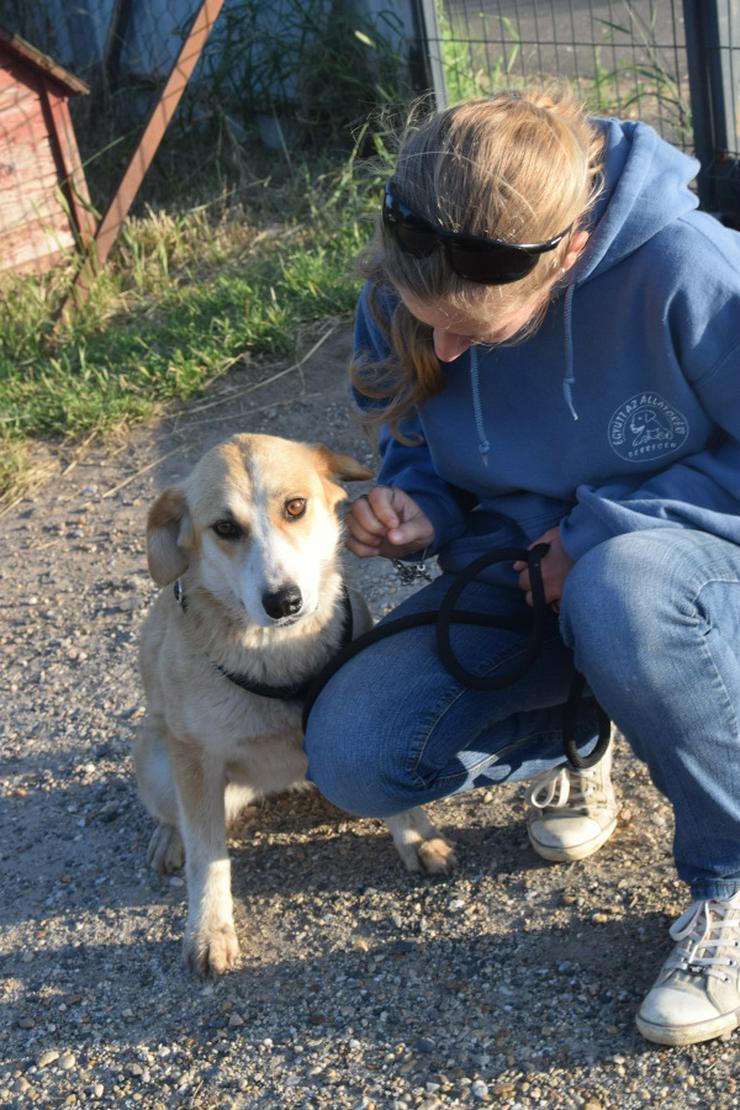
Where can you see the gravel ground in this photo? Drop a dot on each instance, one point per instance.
(512, 983)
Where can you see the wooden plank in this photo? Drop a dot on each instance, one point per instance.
(34, 244)
(41, 181)
(158, 122)
(71, 175)
(14, 46)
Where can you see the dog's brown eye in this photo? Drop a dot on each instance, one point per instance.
(295, 508)
(227, 529)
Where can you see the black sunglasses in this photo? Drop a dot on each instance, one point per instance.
(487, 261)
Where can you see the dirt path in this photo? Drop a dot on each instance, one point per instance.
(512, 983)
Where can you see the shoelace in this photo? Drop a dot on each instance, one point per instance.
(577, 789)
(704, 928)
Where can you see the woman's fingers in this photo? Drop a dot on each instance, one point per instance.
(387, 522)
(362, 550)
(363, 518)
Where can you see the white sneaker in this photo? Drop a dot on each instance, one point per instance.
(697, 994)
(572, 813)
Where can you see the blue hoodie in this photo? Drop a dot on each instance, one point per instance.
(621, 412)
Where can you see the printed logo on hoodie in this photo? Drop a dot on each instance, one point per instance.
(646, 427)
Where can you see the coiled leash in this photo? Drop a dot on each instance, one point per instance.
(448, 615)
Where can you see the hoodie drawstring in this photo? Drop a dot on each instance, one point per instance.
(484, 446)
(569, 377)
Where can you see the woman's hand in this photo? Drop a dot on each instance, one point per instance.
(387, 522)
(555, 567)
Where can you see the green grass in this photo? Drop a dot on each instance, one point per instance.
(183, 297)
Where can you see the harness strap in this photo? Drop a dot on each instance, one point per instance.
(295, 691)
(447, 615)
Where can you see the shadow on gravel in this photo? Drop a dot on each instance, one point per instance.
(560, 992)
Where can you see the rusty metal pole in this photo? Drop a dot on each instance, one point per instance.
(152, 135)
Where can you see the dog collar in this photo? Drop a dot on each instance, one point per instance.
(179, 591)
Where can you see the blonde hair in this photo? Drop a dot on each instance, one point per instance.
(515, 166)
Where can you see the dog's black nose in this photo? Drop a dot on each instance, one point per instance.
(282, 603)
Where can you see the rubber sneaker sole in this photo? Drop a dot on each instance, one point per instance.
(577, 851)
(688, 1034)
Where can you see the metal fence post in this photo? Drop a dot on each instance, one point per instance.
(429, 65)
(713, 53)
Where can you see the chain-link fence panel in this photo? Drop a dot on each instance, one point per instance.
(624, 57)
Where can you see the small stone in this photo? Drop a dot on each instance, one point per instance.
(235, 1021)
(479, 1089)
(424, 1045)
(98, 1090)
(505, 1090)
(67, 1061)
(47, 1058)
(593, 1104)
(26, 1023)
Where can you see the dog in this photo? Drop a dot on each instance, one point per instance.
(251, 542)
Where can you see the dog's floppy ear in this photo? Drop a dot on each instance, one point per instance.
(340, 466)
(168, 531)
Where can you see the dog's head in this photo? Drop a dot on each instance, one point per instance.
(255, 524)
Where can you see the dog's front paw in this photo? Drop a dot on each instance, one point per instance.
(211, 950)
(165, 853)
(436, 856)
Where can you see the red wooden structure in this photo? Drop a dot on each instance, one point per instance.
(44, 203)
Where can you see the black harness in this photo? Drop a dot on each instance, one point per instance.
(296, 691)
(442, 618)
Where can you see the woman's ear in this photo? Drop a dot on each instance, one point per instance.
(576, 245)
(168, 533)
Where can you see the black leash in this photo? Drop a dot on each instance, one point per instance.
(447, 615)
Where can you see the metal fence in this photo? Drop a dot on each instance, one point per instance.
(673, 63)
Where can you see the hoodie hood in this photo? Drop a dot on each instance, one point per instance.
(646, 187)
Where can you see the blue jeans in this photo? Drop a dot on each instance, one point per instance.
(653, 621)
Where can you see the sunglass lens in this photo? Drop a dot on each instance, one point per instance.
(415, 238)
(499, 266)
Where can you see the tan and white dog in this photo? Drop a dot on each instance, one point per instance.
(251, 538)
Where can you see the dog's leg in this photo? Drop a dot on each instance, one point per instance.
(157, 791)
(420, 845)
(210, 939)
